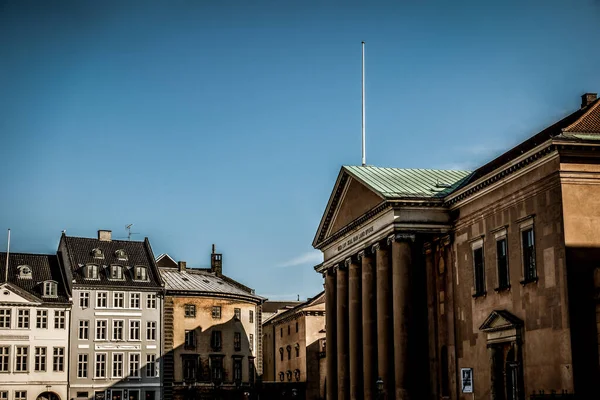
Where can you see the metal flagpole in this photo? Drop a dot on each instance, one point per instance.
(7, 253)
(364, 151)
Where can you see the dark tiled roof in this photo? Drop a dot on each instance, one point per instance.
(273, 306)
(44, 267)
(587, 123)
(79, 252)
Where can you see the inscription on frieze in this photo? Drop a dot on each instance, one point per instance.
(350, 241)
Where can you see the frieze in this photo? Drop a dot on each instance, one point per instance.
(359, 236)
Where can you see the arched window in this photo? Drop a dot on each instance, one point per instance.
(97, 253)
(121, 255)
(281, 353)
(297, 347)
(116, 272)
(289, 375)
(289, 351)
(297, 375)
(24, 271)
(50, 289)
(91, 271)
(281, 376)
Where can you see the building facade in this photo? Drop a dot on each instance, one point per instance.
(116, 326)
(212, 332)
(34, 323)
(482, 284)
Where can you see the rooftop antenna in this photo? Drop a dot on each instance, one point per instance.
(364, 155)
(129, 233)
(7, 254)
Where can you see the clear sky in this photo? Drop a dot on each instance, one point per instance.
(227, 121)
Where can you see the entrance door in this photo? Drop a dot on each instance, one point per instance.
(117, 395)
(507, 372)
(48, 396)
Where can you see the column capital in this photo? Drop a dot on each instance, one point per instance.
(401, 237)
(360, 255)
(375, 247)
(445, 240)
(427, 248)
(342, 265)
(347, 262)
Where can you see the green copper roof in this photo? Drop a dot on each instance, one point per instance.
(393, 183)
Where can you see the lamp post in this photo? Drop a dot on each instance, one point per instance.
(379, 386)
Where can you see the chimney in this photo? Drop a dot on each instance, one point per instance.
(216, 262)
(182, 265)
(588, 98)
(104, 236)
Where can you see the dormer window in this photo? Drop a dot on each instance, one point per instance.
(116, 272)
(121, 255)
(50, 289)
(24, 271)
(97, 253)
(91, 271)
(141, 274)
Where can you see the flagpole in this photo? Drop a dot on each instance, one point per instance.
(7, 253)
(364, 152)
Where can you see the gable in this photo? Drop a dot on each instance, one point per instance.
(165, 261)
(12, 294)
(500, 320)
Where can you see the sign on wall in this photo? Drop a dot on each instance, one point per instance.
(466, 375)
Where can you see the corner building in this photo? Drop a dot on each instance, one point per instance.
(461, 285)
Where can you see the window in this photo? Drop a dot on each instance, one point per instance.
(281, 332)
(100, 370)
(134, 300)
(134, 365)
(289, 351)
(189, 369)
(190, 311)
(151, 330)
(4, 357)
(83, 395)
(84, 329)
(216, 312)
(42, 319)
(24, 272)
(190, 339)
(297, 348)
(296, 326)
(215, 340)
(82, 366)
(141, 274)
(528, 243)
(3, 394)
(478, 268)
(101, 329)
(91, 271)
(251, 342)
(58, 363)
(121, 255)
(116, 272)
(23, 319)
(237, 341)
(5, 318)
(151, 301)
(84, 299)
(151, 366)
(22, 353)
(251, 317)
(40, 359)
(50, 289)
(502, 262)
(97, 253)
(134, 329)
(297, 375)
(117, 333)
(59, 319)
(281, 353)
(101, 299)
(237, 370)
(216, 368)
(237, 313)
(118, 300)
(117, 362)
(21, 395)
(281, 376)
(289, 330)
(288, 374)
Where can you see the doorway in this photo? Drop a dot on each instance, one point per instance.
(48, 396)
(507, 372)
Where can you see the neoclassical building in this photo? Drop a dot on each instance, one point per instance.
(468, 284)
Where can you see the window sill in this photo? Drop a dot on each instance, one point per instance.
(502, 288)
(529, 280)
(481, 294)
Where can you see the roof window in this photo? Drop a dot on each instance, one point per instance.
(90, 271)
(97, 253)
(24, 271)
(50, 289)
(116, 272)
(121, 255)
(141, 274)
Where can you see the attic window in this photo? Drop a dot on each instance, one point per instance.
(97, 253)
(50, 289)
(90, 271)
(141, 273)
(121, 255)
(205, 281)
(116, 272)
(24, 271)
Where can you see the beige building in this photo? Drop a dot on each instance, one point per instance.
(297, 339)
(212, 332)
(468, 285)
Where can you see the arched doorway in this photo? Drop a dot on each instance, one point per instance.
(48, 396)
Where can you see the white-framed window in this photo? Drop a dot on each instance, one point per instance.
(58, 361)
(91, 271)
(116, 272)
(117, 332)
(39, 364)
(134, 300)
(50, 289)
(134, 365)
(82, 365)
(100, 366)
(478, 267)
(3, 394)
(4, 358)
(151, 366)
(20, 394)
(151, 330)
(251, 316)
(237, 313)
(134, 329)
(101, 329)
(84, 329)
(121, 255)
(97, 253)
(141, 273)
(251, 341)
(151, 301)
(5, 314)
(59, 319)
(42, 319)
(101, 299)
(118, 300)
(21, 358)
(190, 311)
(23, 318)
(84, 299)
(117, 363)
(216, 312)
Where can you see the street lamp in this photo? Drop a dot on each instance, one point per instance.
(379, 386)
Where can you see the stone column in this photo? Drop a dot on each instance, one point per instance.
(401, 265)
(331, 334)
(385, 346)
(355, 322)
(430, 273)
(343, 366)
(369, 324)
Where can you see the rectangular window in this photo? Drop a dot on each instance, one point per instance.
(41, 321)
(21, 359)
(101, 329)
(296, 326)
(281, 332)
(190, 311)
(134, 365)
(190, 339)
(151, 330)
(119, 300)
(134, 329)
(251, 317)
(216, 368)
(84, 299)
(21, 395)
(40, 359)
(82, 366)
(251, 342)
(23, 319)
(189, 369)
(289, 330)
(101, 299)
(83, 395)
(3, 394)
(528, 243)
(100, 370)
(237, 341)
(151, 365)
(237, 370)
(216, 312)
(5, 318)
(479, 271)
(117, 362)
(502, 261)
(215, 340)
(59, 319)
(141, 274)
(84, 330)
(4, 358)
(151, 301)
(117, 333)
(134, 300)
(116, 272)
(58, 363)
(237, 313)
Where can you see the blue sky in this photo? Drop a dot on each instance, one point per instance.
(227, 121)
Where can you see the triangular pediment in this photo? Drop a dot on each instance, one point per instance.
(500, 320)
(12, 294)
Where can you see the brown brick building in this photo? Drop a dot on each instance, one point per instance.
(460, 285)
